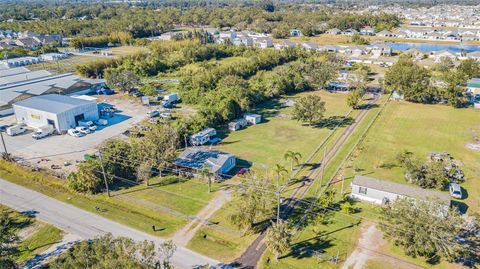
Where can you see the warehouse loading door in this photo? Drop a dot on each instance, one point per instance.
(79, 118)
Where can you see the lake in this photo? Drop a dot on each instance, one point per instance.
(429, 47)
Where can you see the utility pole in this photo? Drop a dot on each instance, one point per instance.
(103, 172)
(278, 199)
(343, 179)
(3, 142)
(185, 138)
(323, 169)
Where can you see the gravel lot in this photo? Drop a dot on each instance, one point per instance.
(58, 149)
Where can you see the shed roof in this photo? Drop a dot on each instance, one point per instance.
(400, 189)
(198, 157)
(52, 103)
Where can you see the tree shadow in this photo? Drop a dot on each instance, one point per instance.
(367, 106)
(308, 248)
(334, 121)
(461, 206)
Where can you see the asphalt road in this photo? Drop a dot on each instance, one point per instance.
(82, 223)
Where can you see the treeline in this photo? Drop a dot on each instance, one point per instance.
(225, 91)
(164, 56)
(421, 85)
(123, 38)
(106, 19)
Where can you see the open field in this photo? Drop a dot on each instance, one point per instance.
(265, 144)
(35, 236)
(420, 129)
(61, 66)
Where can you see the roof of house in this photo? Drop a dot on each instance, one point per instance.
(473, 83)
(198, 157)
(400, 189)
(52, 103)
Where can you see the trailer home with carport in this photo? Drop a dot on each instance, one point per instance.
(383, 192)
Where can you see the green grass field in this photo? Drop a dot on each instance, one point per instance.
(265, 144)
(39, 238)
(130, 213)
(420, 129)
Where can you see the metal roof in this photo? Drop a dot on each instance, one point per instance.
(52, 103)
(198, 157)
(13, 71)
(400, 189)
(24, 77)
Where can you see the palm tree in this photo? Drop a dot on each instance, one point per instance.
(278, 238)
(293, 156)
(279, 170)
(205, 174)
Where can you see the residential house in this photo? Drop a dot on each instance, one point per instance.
(28, 42)
(309, 46)
(228, 35)
(334, 31)
(380, 49)
(285, 44)
(367, 30)
(438, 55)
(350, 32)
(328, 48)
(263, 42)
(203, 137)
(295, 32)
(415, 53)
(193, 159)
(243, 39)
(383, 192)
(473, 89)
(385, 33)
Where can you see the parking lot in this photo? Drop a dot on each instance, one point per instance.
(58, 149)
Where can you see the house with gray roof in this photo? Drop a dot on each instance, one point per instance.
(196, 158)
(382, 192)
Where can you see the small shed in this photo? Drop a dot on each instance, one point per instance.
(253, 118)
(237, 124)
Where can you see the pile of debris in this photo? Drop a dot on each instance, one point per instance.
(452, 167)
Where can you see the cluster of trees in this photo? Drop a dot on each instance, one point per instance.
(80, 42)
(430, 174)
(136, 159)
(116, 252)
(8, 239)
(102, 19)
(418, 84)
(428, 229)
(225, 91)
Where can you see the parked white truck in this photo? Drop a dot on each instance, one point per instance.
(43, 131)
(16, 130)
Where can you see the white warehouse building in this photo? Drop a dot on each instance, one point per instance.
(63, 112)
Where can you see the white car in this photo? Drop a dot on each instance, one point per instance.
(88, 124)
(455, 190)
(83, 130)
(153, 113)
(74, 133)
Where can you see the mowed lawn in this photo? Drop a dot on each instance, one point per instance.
(421, 129)
(265, 144)
(35, 236)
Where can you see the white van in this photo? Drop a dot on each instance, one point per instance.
(43, 131)
(88, 124)
(16, 130)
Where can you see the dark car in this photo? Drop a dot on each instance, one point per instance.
(168, 105)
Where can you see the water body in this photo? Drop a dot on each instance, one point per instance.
(429, 47)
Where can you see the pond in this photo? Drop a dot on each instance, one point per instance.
(429, 47)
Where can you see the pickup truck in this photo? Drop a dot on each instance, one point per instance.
(43, 131)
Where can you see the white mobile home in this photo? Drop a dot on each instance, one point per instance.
(383, 192)
(253, 118)
(202, 137)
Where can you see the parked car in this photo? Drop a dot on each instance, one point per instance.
(105, 91)
(136, 94)
(83, 130)
(101, 122)
(43, 131)
(16, 130)
(88, 124)
(3, 128)
(74, 133)
(455, 190)
(168, 105)
(242, 171)
(153, 113)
